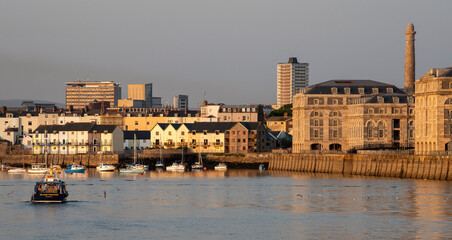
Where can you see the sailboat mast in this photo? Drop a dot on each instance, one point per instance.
(134, 148)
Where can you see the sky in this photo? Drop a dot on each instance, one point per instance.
(227, 48)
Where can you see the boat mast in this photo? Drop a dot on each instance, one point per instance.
(134, 148)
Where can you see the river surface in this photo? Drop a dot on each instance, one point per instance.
(236, 204)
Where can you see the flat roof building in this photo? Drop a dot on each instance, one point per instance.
(81, 93)
(291, 78)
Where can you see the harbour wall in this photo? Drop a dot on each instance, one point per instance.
(399, 166)
(90, 160)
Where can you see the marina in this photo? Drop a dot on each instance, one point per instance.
(238, 204)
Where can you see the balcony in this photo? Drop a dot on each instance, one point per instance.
(205, 144)
(219, 144)
(170, 144)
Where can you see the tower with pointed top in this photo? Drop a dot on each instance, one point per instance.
(409, 59)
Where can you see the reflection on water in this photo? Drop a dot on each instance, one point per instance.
(234, 204)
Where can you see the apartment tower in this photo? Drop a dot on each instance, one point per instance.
(81, 93)
(141, 92)
(291, 78)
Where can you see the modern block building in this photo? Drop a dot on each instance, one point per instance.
(180, 102)
(291, 78)
(141, 92)
(81, 93)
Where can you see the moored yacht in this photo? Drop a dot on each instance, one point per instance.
(221, 166)
(75, 168)
(103, 167)
(38, 168)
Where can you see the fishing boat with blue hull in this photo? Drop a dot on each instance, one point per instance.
(49, 190)
(75, 168)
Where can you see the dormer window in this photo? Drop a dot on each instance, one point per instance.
(316, 101)
(395, 100)
(205, 132)
(176, 115)
(361, 90)
(410, 100)
(375, 90)
(347, 90)
(389, 90)
(334, 90)
(335, 102)
(189, 115)
(371, 111)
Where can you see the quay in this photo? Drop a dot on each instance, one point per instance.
(386, 165)
(398, 166)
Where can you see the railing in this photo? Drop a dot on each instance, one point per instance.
(218, 144)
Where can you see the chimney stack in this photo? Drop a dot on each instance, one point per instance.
(409, 59)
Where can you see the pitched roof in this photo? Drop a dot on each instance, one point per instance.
(278, 119)
(103, 128)
(74, 127)
(49, 128)
(354, 85)
(163, 125)
(251, 125)
(212, 127)
(139, 134)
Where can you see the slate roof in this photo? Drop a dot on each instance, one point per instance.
(325, 87)
(103, 128)
(49, 128)
(251, 125)
(139, 134)
(163, 125)
(388, 99)
(76, 127)
(278, 118)
(212, 127)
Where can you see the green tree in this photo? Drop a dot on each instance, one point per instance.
(280, 112)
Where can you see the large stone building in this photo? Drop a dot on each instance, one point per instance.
(352, 114)
(434, 112)
(291, 78)
(81, 93)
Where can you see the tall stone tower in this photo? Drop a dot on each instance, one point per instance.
(409, 59)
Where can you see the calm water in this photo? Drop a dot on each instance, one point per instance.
(237, 204)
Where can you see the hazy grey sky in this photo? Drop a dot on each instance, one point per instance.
(227, 48)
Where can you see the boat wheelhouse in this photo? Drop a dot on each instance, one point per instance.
(49, 190)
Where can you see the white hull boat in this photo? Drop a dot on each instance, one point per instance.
(221, 167)
(105, 167)
(176, 167)
(38, 168)
(17, 170)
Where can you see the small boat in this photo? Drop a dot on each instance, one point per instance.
(133, 169)
(49, 190)
(75, 168)
(38, 168)
(261, 167)
(159, 164)
(176, 167)
(221, 166)
(198, 165)
(17, 170)
(103, 167)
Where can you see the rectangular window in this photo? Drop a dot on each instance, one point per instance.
(316, 133)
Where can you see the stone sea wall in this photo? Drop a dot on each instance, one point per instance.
(400, 166)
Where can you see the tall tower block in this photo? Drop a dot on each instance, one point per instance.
(409, 59)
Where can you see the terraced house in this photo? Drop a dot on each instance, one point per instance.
(77, 138)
